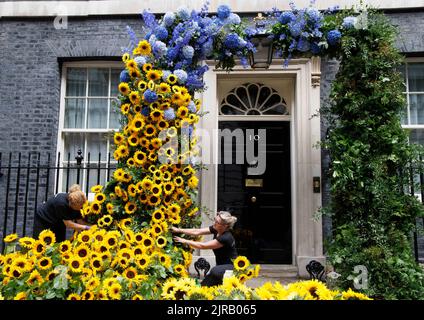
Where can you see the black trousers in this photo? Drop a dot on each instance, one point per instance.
(40, 225)
(216, 275)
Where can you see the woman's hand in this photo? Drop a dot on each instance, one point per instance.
(175, 230)
(180, 240)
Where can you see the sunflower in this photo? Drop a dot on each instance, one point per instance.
(165, 260)
(154, 200)
(20, 296)
(139, 250)
(130, 273)
(82, 251)
(241, 263)
(26, 242)
(147, 242)
(168, 287)
(125, 108)
(45, 263)
(156, 115)
(109, 207)
(156, 189)
(100, 197)
(144, 48)
(96, 208)
(174, 209)
(137, 123)
(157, 229)
(137, 297)
(158, 216)
(161, 241)
(92, 284)
(172, 79)
(134, 97)
(98, 188)
(125, 57)
(124, 88)
(164, 88)
(38, 248)
(130, 207)
(140, 157)
(153, 156)
(199, 293)
(149, 130)
(76, 264)
(65, 247)
(142, 261)
(147, 67)
(193, 212)
(102, 295)
(134, 73)
(153, 75)
(179, 268)
(193, 182)
(10, 238)
(130, 162)
(351, 295)
(142, 86)
(178, 181)
(133, 140)
(87, 295)
(182, 112)
(156, 143)
(114, 291)
(187, 170)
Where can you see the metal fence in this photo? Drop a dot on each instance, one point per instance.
(27, 180)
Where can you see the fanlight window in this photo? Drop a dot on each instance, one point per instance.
(253, 99)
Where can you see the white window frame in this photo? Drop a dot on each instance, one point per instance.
(407, 93)
(62, 130)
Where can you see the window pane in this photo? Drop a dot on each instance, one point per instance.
(114, 114)
(114, 82)
(74, 112)
(97, 175)
(416, 106)
(98, 82)
(97, 143)
(70, 175)
(76, 80)
(416, 136)
(73, 142)
(97, 114)
(416, 77)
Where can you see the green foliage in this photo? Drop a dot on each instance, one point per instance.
(372, 215)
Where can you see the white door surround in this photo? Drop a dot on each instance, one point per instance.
(299, 86)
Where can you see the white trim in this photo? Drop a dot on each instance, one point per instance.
(134, 7)
(303, 102)
(61, 130)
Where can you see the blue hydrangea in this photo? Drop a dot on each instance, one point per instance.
(303, 45)
(223, 11)
(124, 76)
(168, 19)
(140, 60)
(286, 17)
(192, 107)
(207, 48)
(161, 33)
(150, 96)
(315, 49)
(234, 19)
(183, 13)
(188, 52)
(169, 114)
(232, 41)
(145, 111)
(165, 75)
(295, 29)
(349, 22)
(181, 75)
(333, 37)
(159, 49)
(314, 15)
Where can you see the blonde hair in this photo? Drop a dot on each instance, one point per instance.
(227, 218)
(76, 197)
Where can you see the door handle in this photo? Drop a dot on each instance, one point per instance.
(253, 199)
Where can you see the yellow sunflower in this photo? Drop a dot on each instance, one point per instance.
(75, 264)
(144, 48)
(26, 242)
(241, 263)
(172, 79)
(153, 75)
(115, 291)
(161, 241)
(38, 248)
(149, 130)
(10, 238)
(124, 88)
(45, 263)
(130, 207)
(100, 197)
(147, 67)
(142, 261)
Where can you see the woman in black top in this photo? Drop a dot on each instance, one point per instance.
(223, 245)
(59, 212)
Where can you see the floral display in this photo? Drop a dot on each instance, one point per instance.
(129, 253)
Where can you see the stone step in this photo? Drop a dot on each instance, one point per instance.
(278, 271)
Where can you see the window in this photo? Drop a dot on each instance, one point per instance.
(413, 119)
(87, 120)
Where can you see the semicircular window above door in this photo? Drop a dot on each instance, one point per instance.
(253, 99)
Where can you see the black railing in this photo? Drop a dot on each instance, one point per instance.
(27, 180)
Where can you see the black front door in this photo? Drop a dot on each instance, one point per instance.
(261, 202)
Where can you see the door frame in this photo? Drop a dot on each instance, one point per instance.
(305, 157)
